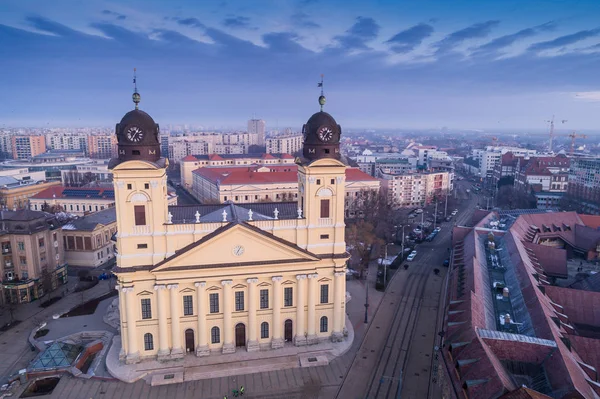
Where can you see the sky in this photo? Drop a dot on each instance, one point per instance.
(462, 64)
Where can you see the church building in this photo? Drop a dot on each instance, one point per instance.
(209, 279)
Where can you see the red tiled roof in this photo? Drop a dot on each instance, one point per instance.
(215, 157)
(588, 349)
(267, 156)
(581, 306)
(553, 260)
(189, 158)
(287, 156)
(353, 174)
(57, 192)
(592, 221)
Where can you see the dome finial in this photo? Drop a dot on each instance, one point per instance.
(136, 96)
(321, 97)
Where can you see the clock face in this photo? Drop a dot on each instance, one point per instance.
(325, 133)
(135, 134)
(238, 250)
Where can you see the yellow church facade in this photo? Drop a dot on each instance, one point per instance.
(209, 279)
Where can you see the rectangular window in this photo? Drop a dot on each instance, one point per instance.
(213, 300)
(239, 301)
(324, 208)
(288, 296)
(146, 186)
(146, 309)
(41, 242)
(87, 242)
(318, 181)
(77, 207)
(264, 299)
(128, 186)
(23, 260)
(70, 242)
(142, 246)
(21, 245)
(188, 305)
(325, 293)
(79, 242)
(140, 215)
(324, 236)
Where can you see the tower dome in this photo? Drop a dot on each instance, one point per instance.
(321, 134)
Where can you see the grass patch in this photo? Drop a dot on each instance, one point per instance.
(41, 333)
(89, 307)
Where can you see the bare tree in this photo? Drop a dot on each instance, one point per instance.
(362, 239)
(47, 283)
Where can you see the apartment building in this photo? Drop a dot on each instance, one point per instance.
(490, 156)
(32, 258)
(102, 146)
(25, 147)
(416, 189)
(584, 183)
(62, 141)
(284, 144)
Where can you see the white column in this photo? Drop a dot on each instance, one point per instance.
(122, 319)
(312, 307)
(252, 344)
(277, 339)
(163, 331)
(133, 354)
(202, 349)
(228, 344)
(176, 348)
(300, 338)
(338, 314)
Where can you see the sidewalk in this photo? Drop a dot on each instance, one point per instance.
(15, 350)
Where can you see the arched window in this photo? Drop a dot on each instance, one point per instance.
(264, 330)
(324, 324)
(215, 335)
(148, 342)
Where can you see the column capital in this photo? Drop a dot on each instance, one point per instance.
(173, 286)
(226, 282)
(201, 284)
(252, 280)
(118, 287)
(127, 289)
(301, 276)
(158, 287)
(277, 278)
(339, 274)
(314, 275)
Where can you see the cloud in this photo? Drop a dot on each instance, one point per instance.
(284, 42)
(302, 20)
(364, 29)
(593, 96)
(410, 38)
(191, 22)
(507, 40)
(475, 31)
(564, 40)
(238, 22)
(115, 14)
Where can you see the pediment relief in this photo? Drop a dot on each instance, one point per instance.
(264, 284)
(213, 288)
(236, 244)
(288, 282)
(239, 286)
(187, 290)
(324, 280)
(145, 293)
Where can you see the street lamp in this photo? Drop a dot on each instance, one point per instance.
(367, 298)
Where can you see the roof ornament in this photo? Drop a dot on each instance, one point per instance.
(197, 215)
(276, 213)
(322, 96)
(170, 218)
(136, 96)
(224, 215)
(250, 213)
(299, 213)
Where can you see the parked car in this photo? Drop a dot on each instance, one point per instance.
(438, 229)
(448, 218)
(446, 262)
(419, 211)
(412, 256)
(352, 273)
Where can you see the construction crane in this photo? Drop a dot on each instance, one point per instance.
(574, 136)
(552, 131)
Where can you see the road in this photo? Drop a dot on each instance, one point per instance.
(397, 351)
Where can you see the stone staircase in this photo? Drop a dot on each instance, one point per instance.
(241, 367)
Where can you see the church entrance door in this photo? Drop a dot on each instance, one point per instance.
(288, 331)
(240, 335)
(189, 340)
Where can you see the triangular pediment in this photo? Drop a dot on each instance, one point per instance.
(145, 293)
(236, 244)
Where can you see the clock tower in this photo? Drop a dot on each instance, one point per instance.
(321, 184)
